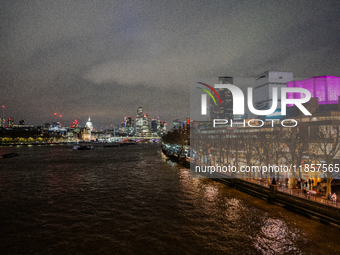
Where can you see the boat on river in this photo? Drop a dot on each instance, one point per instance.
(10, 155)
(128, 142)
(112, 145)
(83, 147)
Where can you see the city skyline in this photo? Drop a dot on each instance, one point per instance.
(59, 118)
(107, 58)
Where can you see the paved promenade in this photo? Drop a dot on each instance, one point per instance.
(281, 187)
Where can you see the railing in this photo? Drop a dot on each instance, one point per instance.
(284, 189)
(297, 193)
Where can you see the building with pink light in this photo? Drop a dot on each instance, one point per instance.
(325, 88)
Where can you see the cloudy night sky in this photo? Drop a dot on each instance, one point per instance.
(104, 59)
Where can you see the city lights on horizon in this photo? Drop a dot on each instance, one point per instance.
(53, 121)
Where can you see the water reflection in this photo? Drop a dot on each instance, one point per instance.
(233, 207)
(211, 193)
(275, 238)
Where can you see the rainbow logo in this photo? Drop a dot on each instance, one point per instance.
(212, 89)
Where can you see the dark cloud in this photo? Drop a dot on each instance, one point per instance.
(106, 58)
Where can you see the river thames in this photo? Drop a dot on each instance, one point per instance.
(133, 200)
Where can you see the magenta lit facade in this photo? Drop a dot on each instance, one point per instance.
(325, 88)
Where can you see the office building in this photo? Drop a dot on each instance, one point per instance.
(154, 125)
(142, 123)
(178, 124)
(10, 122)
(263, 90)
(224, 111)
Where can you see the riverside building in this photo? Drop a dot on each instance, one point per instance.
(324, 121)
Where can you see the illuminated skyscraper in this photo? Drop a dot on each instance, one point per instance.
(224, 111)
(178, 124)
(10, 122)
(154, 125)
(142, 123)
(140, 111)
(128, 122)
(162, 128)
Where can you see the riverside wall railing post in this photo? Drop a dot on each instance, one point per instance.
(272, 193)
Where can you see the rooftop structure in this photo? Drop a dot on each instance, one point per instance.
(325, 88)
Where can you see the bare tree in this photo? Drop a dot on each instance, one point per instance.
(296, 141)
(267, 150)
(327, 141)
(235, 146)
(247, 146)
(277, 146)
(258, 140)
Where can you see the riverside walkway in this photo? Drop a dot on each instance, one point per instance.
(315, 206)
(319, 197)
(281, 187)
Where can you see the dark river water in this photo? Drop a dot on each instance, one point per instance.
(132, 200)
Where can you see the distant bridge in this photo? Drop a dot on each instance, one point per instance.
(137, 137)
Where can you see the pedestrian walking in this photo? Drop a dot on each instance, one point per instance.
(329, 197)
(334, 198)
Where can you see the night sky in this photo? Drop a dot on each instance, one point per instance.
(104, 59)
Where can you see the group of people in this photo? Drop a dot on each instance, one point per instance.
(332, 197)
(305, 184)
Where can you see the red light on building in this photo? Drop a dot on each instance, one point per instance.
(60, 116)
(188, 121)
(55, 113)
